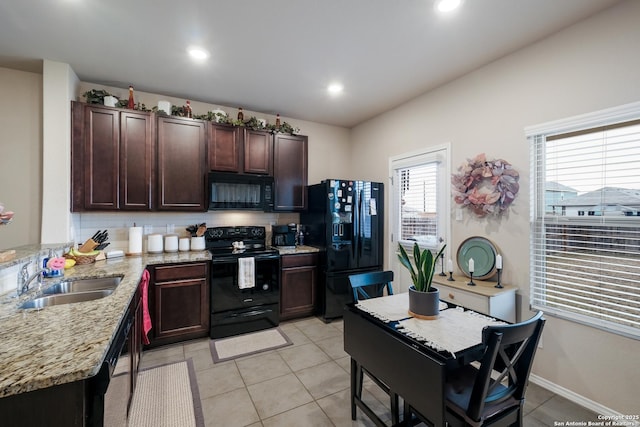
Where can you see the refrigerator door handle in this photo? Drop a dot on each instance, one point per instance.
(360, 222)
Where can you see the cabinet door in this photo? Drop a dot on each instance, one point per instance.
(298, 292)
(181, 309)
(101, 158)
(112, 157)
(136, 154)
(224, 148)
(258, 152)
(290, 172)
(181, 164)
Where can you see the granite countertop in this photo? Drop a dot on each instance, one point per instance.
(67, 343)
(302, 249)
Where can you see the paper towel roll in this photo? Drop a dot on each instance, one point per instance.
(135, 240)
(154, 243)
(171, 243)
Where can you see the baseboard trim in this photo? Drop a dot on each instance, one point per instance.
(576, 398)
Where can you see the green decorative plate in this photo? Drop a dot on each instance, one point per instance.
(483, 252)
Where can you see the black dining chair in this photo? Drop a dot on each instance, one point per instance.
(365, 286)
(493, 394)
(371, 285)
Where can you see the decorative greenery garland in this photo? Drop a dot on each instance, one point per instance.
(95, 96)
(498, 177)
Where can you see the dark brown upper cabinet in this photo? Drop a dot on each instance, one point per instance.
(290, 172)
(225, 145)
(234, 149)
(112, 158)
(181, 164)
(258, 152)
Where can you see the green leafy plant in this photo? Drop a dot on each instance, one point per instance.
(96, 96)
(425, 266)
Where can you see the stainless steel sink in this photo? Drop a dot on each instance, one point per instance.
(66, 298)
(83, 285)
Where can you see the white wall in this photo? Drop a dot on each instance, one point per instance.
(59, 87)
(21, 155)
(587, 67)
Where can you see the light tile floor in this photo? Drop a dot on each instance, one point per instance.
(307, 384)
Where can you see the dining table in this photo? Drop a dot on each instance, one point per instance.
(411, 355)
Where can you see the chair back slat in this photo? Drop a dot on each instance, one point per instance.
(371, 285)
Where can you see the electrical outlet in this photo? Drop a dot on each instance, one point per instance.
(540, 343)
(458, 214)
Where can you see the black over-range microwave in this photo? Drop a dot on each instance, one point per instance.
(240, 192)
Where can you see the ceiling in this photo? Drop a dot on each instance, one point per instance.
(279, 56)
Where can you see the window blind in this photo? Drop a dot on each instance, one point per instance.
(585, 225)
(418, 195)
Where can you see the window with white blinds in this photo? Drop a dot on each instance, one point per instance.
(585, 225)
(419, 194)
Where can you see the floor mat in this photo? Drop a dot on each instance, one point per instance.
(167, 396)
(223, 349)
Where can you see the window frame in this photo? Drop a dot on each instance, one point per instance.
(441, 154)
(539, 219)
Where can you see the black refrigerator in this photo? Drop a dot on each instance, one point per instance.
(346, 219)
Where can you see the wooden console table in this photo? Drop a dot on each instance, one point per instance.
(484, 297)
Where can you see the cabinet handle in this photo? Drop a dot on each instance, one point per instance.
(452, 296)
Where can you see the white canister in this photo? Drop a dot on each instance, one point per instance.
(154, 243)
(197, 243)
(171, 243)
(110, 101)
(164, 106)
(183, 244)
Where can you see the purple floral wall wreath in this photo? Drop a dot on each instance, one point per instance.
(487, 187)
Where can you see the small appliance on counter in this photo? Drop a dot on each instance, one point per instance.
(284, 236)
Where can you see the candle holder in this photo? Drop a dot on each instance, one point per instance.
(470, 283)
(450, 278)
(499, 284)
(442, 266)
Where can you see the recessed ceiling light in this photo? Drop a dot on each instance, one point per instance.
(335, 89)
(447, 5)
(198, 53)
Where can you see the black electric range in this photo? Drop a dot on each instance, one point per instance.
(242, 305)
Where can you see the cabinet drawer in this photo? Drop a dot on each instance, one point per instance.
(469, 300)
(299, 260)
(179, 272)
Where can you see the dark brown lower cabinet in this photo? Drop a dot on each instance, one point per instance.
(180, 302)
(298, 291)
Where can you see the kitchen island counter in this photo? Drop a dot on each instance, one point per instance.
(66, 343)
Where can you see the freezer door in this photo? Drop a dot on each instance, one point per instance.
(341, 225)
(369, 224)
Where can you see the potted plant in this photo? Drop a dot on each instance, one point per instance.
(424, 299)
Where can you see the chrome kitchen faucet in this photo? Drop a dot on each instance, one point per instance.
(24, 280)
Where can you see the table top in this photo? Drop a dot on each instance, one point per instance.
(455, 330)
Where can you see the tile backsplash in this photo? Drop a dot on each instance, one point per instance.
(117, 223)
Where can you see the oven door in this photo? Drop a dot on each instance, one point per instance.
(226, 293)
(237, 311)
